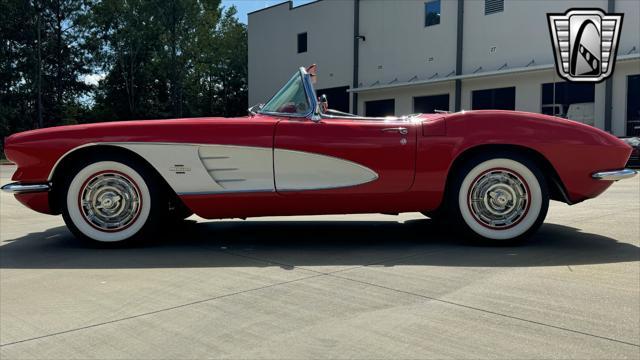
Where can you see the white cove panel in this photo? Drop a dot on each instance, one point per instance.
(168, 159)
(297, 170)
(201, 169)
(239, 168)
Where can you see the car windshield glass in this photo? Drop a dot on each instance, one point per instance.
(291, 99)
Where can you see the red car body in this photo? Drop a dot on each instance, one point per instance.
(411, 177)
(494, 171)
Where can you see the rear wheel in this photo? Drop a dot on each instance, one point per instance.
(499, 197)
(112, 201)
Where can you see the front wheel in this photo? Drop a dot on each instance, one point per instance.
(500, 197)
(111, 201)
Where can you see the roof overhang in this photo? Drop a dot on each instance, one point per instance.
(409, 84)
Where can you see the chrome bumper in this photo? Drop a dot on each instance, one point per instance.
(614, 175)
(18, 188)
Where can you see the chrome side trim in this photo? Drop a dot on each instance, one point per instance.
(226, 192)
(614, 175)
(18, 188)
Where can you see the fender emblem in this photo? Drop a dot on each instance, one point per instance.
(179, 169)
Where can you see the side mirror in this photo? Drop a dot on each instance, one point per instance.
(316, 116)
(319, 110)
(255, 109)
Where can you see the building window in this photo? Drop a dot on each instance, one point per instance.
(338, 97)
(493, 6)
(380, 108)
(432, 13)
(633, 105)
(429, 104)
(302, 43)
(498, 99)
(569, 100)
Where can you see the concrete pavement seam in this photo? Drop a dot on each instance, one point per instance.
(160, 310)
(333, 273)
(486, 311)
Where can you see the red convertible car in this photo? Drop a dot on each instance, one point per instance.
(491, 172)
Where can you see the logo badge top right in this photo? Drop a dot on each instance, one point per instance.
(585, 43)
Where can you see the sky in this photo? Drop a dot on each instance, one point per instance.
(246, 6)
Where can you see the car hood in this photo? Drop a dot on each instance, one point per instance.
(116, 128)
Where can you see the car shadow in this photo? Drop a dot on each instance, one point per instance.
(290, 244)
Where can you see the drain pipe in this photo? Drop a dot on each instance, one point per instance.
(458, 82)
(356, 55)
(608, 84)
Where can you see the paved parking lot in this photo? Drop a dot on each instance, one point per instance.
(360, 286)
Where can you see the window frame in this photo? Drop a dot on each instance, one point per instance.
(306, 42)
(493, 97)
(493, 12)
(426, 13)
(413, 101)
(565, 89)
(627, 121)
(392, 100)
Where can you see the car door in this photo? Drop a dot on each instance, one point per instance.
(359, 156)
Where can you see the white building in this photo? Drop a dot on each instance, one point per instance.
(383, 57)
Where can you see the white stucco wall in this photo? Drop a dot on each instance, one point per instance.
(273, 45)
(630, 36)
(399, 46)
(519, 34)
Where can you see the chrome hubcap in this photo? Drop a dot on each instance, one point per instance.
(110, 201)
(498, 199)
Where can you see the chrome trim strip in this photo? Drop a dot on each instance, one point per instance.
(614, 175)
(227, 192)
(18, 188)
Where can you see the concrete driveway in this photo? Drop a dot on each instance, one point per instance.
(360, 286)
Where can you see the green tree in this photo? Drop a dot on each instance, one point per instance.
(43, 60)
(154, 58)
(231, 72)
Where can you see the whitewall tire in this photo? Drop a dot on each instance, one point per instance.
(501, 198)
(109, 201)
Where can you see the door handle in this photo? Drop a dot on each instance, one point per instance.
(401, 130)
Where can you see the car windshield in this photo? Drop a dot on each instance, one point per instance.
(291, 99)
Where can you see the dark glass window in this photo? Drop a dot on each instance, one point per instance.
(572, 100)
(302, 43)
(338, 97)
(429, 104)
(380, 108)
(493, 6)
(633, 105)
(499, 99)
(432, 13)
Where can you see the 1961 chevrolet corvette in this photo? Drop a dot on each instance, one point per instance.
(491, 172)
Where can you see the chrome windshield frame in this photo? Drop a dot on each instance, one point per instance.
(315, 114)
(309, 93)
